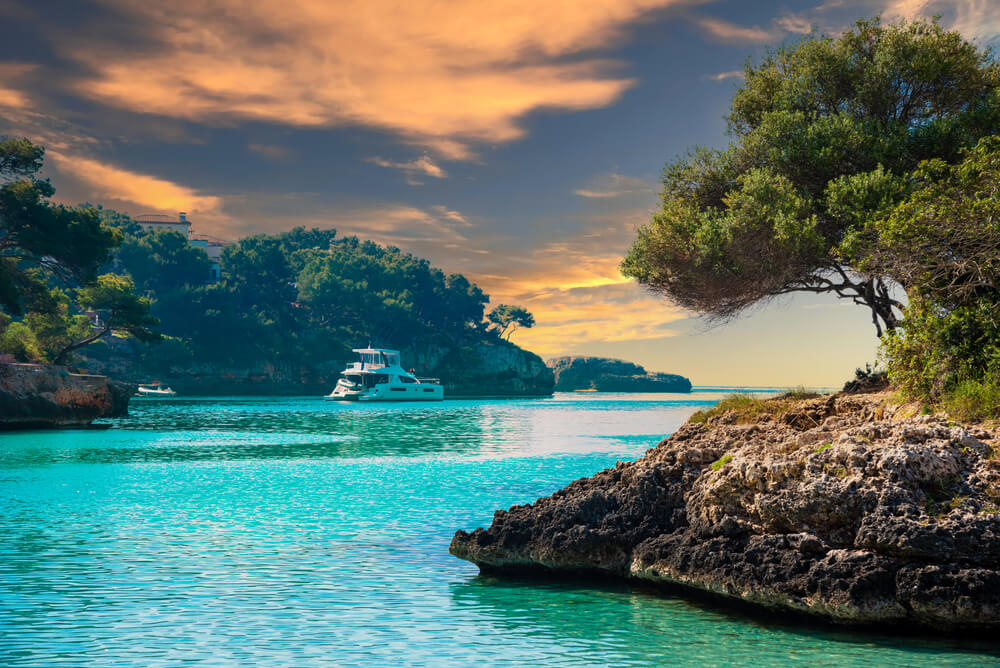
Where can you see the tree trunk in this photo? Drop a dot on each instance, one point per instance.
(61, 357)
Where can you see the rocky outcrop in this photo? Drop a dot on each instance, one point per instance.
(36, 395)
(610, 375)
(493, 368)
(843, 507)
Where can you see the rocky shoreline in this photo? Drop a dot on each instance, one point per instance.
(846, 507)
(39, 396)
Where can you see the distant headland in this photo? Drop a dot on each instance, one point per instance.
(605, 374)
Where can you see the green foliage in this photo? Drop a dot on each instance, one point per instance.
(827, 133)
(747, 408)
(119, 310)
(942, 243)
(722, 461)
(162, 261)
(17, 339)
(54, 326)
(296, 298)
(113, 298)
(745, 405)
(823, 448)
(974, 399)
(507, 316)
(68, 243)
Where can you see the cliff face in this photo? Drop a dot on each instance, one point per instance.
(841, 507)
(35, 395)
(611, 375)
(488, 367)
(493, 368)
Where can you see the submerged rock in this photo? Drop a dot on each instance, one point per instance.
(37, 395)
(840, 506)
(610, 375)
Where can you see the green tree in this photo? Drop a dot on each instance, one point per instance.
(162, 261)
(68, 244)
(825, 133)
(118, 309)
(53, 325)
(17, 340)
(943, 244)
(507, 316)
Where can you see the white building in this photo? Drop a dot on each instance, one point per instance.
(211, 245)
(152, 221)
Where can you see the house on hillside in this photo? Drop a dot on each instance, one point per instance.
(152, 221)
(213, 248)
(211, 245)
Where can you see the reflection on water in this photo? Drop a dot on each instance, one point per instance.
(299, 532)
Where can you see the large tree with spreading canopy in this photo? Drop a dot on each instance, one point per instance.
(826, 136)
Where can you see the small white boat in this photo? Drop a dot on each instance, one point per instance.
(154, 390)
(380, 377)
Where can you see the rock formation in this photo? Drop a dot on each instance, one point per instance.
(36, 395)
(610, 375)
(493, 368)
(847, 507)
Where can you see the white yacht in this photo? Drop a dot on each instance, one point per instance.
(380, 377)
(154, 390)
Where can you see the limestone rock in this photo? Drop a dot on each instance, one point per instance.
(36, 395)
(838, 506)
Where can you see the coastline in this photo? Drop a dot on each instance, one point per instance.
(830, 507)
(34, 396)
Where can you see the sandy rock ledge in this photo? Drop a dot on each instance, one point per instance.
(842, 506)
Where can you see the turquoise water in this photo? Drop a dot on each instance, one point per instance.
(299, 532)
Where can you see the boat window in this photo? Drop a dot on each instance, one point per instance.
(373, 379)
(407, 379)
(398, 389)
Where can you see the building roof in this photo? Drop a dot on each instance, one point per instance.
(160, 219)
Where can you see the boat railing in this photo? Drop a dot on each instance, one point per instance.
(366, 366)
(429, 381)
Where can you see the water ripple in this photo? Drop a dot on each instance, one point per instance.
(295, 532)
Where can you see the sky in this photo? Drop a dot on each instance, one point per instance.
(517, 142)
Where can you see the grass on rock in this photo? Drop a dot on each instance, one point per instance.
(749, 408)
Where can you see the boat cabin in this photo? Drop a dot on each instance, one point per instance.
(375, 358)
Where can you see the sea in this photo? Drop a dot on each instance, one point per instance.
(278, 531)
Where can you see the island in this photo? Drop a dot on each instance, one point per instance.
(604, 374)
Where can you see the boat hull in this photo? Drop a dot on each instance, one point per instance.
(392, 393)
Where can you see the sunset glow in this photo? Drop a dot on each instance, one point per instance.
(518, 143)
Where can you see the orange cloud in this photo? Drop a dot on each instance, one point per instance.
(573, 287)
(442, 75)
(121, 185)
(9, 96)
